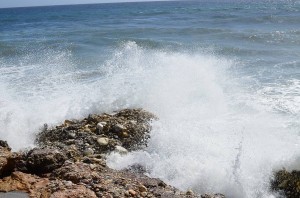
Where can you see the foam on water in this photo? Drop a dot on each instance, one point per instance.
(213, 134)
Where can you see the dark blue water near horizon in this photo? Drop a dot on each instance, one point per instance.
(222, 76)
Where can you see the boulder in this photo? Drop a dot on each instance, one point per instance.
(31, 184)
(44, 160)
(7, 159)
(287, 183)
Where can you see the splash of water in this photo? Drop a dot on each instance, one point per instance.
(213, 135)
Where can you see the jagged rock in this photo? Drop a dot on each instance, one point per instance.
(71, 158)
(44, 160)
(287, 183)
(31, 184)
(7, 159)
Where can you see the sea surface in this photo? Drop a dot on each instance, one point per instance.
(223, 77)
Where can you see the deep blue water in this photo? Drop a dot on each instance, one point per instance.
(224, 77)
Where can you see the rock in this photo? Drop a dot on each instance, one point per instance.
(189, 192)
(132, 192)
(44, 160)
(287, 182)
(102, 141)
(142, 188)
(121, 150)
(18, 181)
(4, 144)
(77, 191)
(218, 195)
(118, 128)
(7, 159)
(88, 151)
(100, 125)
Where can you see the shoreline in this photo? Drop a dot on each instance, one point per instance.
(70, 160)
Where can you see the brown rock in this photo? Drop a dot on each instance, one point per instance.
(7, 159)
(132, 192)
(79, 191)
(142, 188)
(31, 184)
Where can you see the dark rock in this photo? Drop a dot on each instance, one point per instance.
(7, 159)
(44, 160)
(287, 183)
(4, 144)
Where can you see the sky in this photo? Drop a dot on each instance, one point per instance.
(25, 3)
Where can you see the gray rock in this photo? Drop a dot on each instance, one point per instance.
(88, 151)
(121, 150)
(100, 125)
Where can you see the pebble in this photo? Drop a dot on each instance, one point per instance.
(88, 151)
(132, 192)
(102, 141)
(68, 183)
(144, 194)
(121, 150)
(119, 127)
(125, 134)
(72, 135)
(93, 166)
(100, 125)
(142, 188)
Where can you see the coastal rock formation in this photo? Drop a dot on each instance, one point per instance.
(70, 160)
(7, 159)
(287, 183)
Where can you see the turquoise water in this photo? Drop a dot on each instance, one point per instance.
(224, 78)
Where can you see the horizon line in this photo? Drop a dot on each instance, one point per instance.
(92, 3)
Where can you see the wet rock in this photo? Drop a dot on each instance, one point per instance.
(118, 128)
(71, 158)
(287, 183)
(121, 150)
(7, 159)
(189, 192)
(218, 195)
(18, 181)
(44, 160)
(4, 145)
(88, 151)
(102, 141)
(100, 125)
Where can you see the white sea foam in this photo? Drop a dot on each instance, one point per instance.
(213, 135)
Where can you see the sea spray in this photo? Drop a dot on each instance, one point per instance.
(213, 133)
(209, 138)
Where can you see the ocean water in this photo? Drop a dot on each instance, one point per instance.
(223, 77)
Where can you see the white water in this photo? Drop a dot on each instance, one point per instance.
(213, 135)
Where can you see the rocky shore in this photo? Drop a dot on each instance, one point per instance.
(70, 161)
(286, 183)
